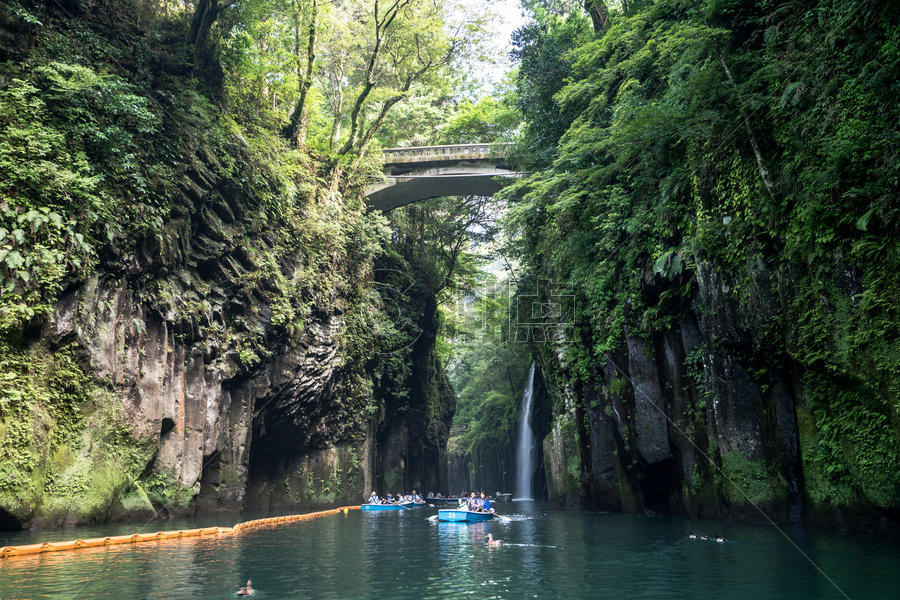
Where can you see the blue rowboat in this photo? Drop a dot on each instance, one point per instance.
(463, 515)
(418, 504)
(406, 505)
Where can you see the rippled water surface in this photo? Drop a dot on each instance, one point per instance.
(397, 555)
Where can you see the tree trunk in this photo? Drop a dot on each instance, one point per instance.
(599, 14)
(204, 16)
(748, 128)
(381, 25)
(206, 65)
(337, 109)
(296, 129)
(367, 138)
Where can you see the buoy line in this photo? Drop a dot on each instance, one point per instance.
(136, 538)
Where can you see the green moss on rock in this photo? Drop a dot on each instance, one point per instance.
(66, 453)
(750, 481)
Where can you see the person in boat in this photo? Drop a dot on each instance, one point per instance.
(247, 590)
(473, 502)
(374, 499)
(485, 503)
(389, 499)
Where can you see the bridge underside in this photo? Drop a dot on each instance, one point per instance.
(401, 190)
(416, 178)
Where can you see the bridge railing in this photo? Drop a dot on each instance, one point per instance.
(440, 153)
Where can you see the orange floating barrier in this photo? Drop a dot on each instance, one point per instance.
(135, 538)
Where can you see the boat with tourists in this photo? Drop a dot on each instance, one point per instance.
(379, 506)
(391, 502)
(464, 515)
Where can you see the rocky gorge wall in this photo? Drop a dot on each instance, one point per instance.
(169, 345)
(710, 419)
(223, 355)
(732, 340)
(221, 404)
(418, 402)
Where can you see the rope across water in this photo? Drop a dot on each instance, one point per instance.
(115, 540)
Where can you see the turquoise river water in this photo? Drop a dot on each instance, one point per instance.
(403, 555)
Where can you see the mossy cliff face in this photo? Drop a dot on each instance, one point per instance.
(488, 470)
(704, 419)
(412, 426)
(734, 337)
(203, 328)
(67, 452)
(188, 363)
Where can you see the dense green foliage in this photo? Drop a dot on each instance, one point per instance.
(754, 139)
(542, 52)
(92, 165)
(488, 120)
(334, 74)
(488, 371)
(70, 138)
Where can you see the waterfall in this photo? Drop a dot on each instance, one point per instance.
(525, 450)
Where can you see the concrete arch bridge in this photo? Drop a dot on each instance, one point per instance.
(422, 172)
